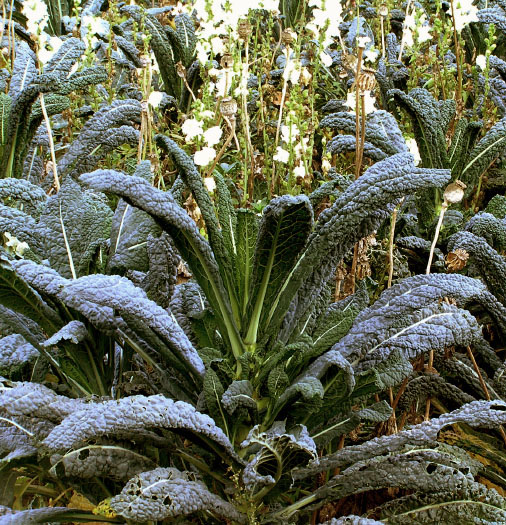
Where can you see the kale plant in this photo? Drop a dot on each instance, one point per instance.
(254, 374)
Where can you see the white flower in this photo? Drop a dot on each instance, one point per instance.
(96, 25)
(155, 98)
(299, 171)
(424, 34)
(282, 155)
(368, 99)
(362, 41)
(326, 59)
(301, 145)
(36, 15)
(223, 80)
(371, 55)
(202, 48)
(21, 248)
(305, 76)
(413, 149)
(465, 13)
(330, 16)
(217, 45)
(192, 128)
(326, 165)
(481, 61)
(48, 48)
(204, 157)
(289, 133)
(292, 71)
(242, 88)
(206, 114)
(212, 135)
(269, 5)
(210, 184)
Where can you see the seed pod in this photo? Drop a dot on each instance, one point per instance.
(456, 260)
(227, 61)
(454, 192)
(244, 29)
(383, 10)
(228, 107)
(366, 80)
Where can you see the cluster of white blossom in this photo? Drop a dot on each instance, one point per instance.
(202, 129)
(293, 143)
(465, 13)
(220, 19)
(324, 25)
(416, 27)
(413, 149)
(37, 16)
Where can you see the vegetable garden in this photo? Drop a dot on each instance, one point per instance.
(252, 262)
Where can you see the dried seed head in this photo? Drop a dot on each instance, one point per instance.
(227, 61)
(456, 260)
(454, 192)
(288, 36)
(228, 107)
(181, 70)
(366, 80)
(383, 10)
(244, 29)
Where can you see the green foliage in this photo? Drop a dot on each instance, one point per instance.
(168, 356)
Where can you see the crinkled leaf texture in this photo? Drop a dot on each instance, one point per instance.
(277, 452)
(173, 219)
(106, 124)
(19, 436)
(30, 195)
(283, 232)
(409, 318)
(118, 293)
(484, 153)
(473, 500)
(355, 214)
(167, 493)
(77, 221)
(490, 266)
(15, 353)
(382, 134)
(485, 414)
(430, 118)
(112, 461)
(37, 401)
(131, 414)
(74, 332)
(18, 296)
